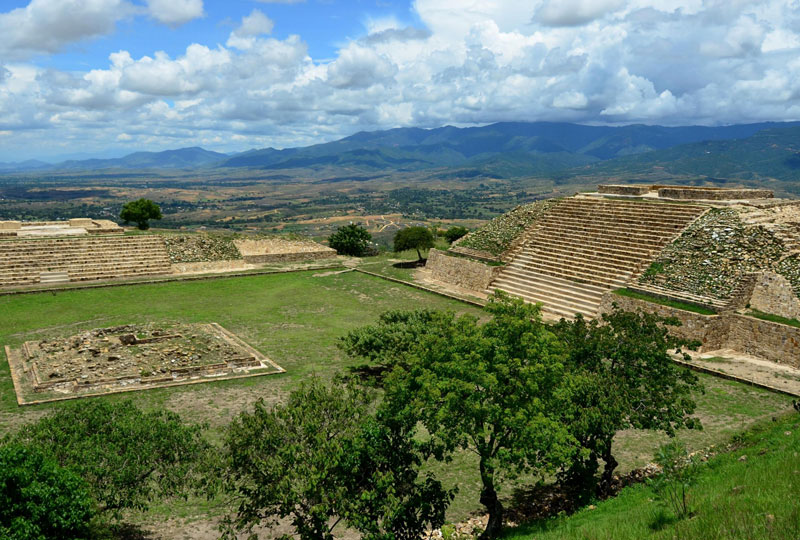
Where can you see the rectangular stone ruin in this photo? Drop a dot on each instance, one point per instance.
(130, 357)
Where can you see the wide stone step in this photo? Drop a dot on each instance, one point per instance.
(593, 249)
(566, 237)
(652, 220)
(550, 304)
(573, 275)
(533, 282)
(572, 267)
(532, 253)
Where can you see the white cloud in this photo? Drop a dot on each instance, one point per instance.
(46, 26)
(575, 12)
(175, 12)
(465, 61)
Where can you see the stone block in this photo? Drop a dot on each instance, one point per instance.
(80, 222)
(10, 225)
(460, 271)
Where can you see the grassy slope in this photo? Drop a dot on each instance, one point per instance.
(736, 497)
(295, 320)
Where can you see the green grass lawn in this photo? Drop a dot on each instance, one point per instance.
(295, 319)
(749, 493)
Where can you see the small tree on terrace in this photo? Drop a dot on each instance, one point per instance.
(140, 212)
(413, 238)
(350, 240)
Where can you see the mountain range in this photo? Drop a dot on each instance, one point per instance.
(506, 150)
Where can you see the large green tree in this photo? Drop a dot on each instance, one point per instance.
(621, 375)
(351, 239)
(417, 238)
(488, 388)
(140, 211)
(40, 500)
(323, 458)
(127, 456)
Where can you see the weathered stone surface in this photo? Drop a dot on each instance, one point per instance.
(713, 194)
(765, 339)
(278, 250)
(10, 225)
(460, 271)
(773, 293)
(623, 189)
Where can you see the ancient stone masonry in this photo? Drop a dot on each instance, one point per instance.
(84, 258)
(716, 252)
(586, 246)
(460, 271)
(769, 293)
(130, 356)
(191, 248)
(72, 227)
(704, 193)
(500, 235)
(277, 250)
(765, 339)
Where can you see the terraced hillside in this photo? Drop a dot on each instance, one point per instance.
(53, 260)
(586, 246)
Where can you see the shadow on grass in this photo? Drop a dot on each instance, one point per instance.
(126, 531)
(411, 264)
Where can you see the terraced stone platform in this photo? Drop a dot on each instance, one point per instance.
(25, 262)
(586, 246)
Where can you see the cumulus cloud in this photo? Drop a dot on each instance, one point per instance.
(46, 26)
(175, 12)
(575, 12)
(464, 62)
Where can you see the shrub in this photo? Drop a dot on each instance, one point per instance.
(350, 240)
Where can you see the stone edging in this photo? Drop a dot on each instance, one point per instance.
(422, 288)
(105, 284)
(728, 376)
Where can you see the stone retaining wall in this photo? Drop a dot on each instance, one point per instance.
(714, 194)
(289, 257)
(460, 271)
(773, 293)
(710, 330)
(765, 339)
(622, 189)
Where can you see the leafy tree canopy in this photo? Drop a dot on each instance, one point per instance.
(323, 458)
(140, 212)
(351, 239)
(418, 238)
(127, 456)
(622, 376)
(40, 500)
(488, 388)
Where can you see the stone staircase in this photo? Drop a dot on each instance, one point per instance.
(587, 246)
(60, 260)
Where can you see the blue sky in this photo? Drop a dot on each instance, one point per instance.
(109, 77)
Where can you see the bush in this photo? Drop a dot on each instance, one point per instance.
(40, 500)
(350, 240)
(454, 233)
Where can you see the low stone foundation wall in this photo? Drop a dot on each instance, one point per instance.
(765, 339)
(460, 271)
(710, 330)
(623, 189)
(289, 257)
(713, 194)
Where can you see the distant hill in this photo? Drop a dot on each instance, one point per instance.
(29, 165)
(768, 155)
(182, 158)
(505, 149)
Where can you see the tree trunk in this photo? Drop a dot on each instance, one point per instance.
(419, 254)
(610, 467)
(491, 501)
